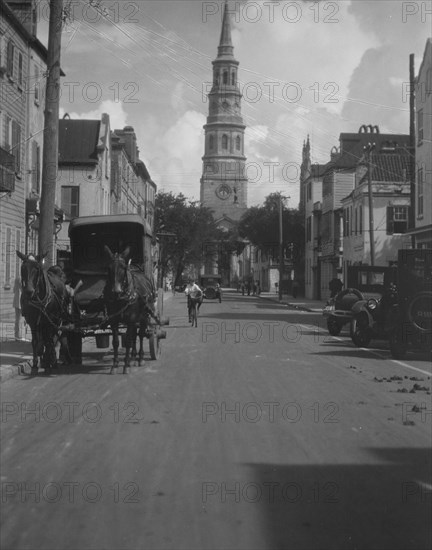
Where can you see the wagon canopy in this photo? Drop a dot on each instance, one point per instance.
(89, 235)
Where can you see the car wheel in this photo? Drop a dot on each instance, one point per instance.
(333, 327)
(360, 332)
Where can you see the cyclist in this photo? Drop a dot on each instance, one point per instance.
(194, 291)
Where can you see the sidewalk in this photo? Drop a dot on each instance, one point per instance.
(15, 355)
(303, 304)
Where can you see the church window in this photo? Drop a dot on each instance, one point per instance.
(225, 142)
(233, 76)
(211, 142)
(238, 143)
(225, 77)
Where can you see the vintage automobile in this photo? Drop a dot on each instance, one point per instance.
(364, 283)
(372, 317)
(411, 323)
(89, 262)
(211, 286)
(338, 310)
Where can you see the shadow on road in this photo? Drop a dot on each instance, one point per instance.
(384, 506)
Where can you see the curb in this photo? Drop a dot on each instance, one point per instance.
(289, 304)
(12, 371)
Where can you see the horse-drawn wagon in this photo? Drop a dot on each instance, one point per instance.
(111, 275)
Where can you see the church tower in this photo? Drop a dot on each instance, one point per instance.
(224, 180)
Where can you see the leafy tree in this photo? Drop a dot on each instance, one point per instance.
(182, 226)
(260, 225)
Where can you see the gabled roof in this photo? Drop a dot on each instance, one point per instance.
(78, 141)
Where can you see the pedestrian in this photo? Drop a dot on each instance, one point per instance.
(295, 288)
(254, 288)
(258, 288)
(248, 288)
(242, 286)
(335, 286)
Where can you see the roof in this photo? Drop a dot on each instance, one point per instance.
(388, 167)
(351, 147)
(8, 13)
(78, 140)
(84, 221)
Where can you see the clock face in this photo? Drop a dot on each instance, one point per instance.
(223, 191)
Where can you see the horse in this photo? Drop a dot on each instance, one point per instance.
(44, 301)
(129, 297)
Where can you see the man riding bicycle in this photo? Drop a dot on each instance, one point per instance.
(192, 290)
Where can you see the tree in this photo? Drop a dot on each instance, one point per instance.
(260, 225)
(192, 225)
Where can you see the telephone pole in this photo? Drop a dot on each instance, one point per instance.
(368, 150)
(50, 141)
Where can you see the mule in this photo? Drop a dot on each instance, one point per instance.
(129, 297)
(44, 300)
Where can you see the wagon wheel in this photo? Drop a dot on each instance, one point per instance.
(155, 345)
(74, 340)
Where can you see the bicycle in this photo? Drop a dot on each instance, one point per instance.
(195, 302)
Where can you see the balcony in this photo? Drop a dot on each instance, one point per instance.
(7, 172)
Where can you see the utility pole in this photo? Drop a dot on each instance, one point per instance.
(281, 254)
(412, 210)
(368, 149)
(50, 141)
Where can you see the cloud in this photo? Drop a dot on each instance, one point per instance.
(118, 117)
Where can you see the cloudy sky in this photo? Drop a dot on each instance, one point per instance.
(306, 68)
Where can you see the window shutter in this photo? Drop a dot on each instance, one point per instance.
(390, 223)
(10, 58)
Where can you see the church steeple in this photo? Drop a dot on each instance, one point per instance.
(224, 181)
(226, 48)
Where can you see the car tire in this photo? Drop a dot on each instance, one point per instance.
(333, 327)
(360, 334)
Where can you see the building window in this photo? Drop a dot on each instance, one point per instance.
(10, 59)
(211, 142)
(347, 222)
(360, 219)
(20, 69)
(8, 263)
(351, 222)
(238, 143)
(224, 142)
(13, 141)
(420, 126)
(233, 76)
(420, 192)
(309, 228)
(36, 83)
(36, 166)
(355, 221)
(397, 219)
(70, 200)
(225, 77)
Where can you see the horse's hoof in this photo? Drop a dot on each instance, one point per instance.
(34, 371)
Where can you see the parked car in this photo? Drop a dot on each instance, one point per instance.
(338, 310)
(211, 286)
(411, 326)
(372, 318)
(364, 283)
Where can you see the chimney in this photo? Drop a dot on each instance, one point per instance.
(128, 134)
